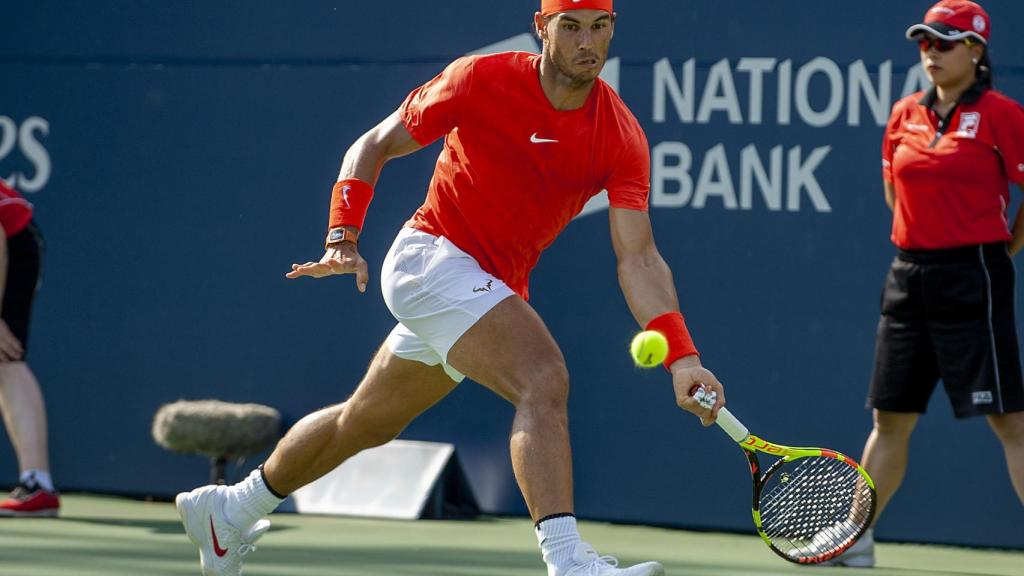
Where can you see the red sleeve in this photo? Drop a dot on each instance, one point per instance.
(1008, 130)
(15, 211)
(629, 184)
(431, 111)
(888, 143)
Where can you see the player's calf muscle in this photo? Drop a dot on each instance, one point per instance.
(363, 433)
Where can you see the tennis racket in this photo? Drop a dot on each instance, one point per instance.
(810, 505)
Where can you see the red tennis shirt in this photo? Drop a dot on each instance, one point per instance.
(15, 211)
(514, 171)
(952, 177)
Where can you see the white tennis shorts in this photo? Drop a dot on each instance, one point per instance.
(436, 292)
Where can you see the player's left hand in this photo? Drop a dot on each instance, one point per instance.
(688, 374)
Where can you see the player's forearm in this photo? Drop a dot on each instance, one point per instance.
(364, 159)
(367, 156)
(647, 284)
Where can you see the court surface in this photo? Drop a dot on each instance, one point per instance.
(112, 536)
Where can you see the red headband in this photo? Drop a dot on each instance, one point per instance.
(548, 7)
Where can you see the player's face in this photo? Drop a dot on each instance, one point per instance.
(576, 42)
(948, 63)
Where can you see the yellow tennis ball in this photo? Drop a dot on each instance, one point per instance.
(649, 348)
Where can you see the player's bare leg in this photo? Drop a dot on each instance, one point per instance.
(224, 522)
(24, 413)
(393, 393)
(1010, 430)
(511, 352)
(887, 451)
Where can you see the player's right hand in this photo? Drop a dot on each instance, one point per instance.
(687, 375)
(341, 259)
(10, 347)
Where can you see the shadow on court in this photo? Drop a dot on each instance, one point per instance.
(153, 526)
(116, 537)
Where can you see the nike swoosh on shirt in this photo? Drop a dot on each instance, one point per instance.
(536, 140)
(220, 552)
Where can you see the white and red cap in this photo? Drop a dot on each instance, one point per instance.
(954, 20)
(548, 7)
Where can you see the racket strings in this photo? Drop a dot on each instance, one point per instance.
(814, 507)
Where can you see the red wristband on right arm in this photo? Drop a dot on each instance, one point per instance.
(673, 327)
(350, 200)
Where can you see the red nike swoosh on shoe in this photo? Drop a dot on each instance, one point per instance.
(220, 552)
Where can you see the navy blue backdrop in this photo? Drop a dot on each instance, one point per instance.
(180, 156)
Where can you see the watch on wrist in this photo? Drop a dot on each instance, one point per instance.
(340, 235)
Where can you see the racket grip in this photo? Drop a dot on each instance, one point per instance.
(733, 427)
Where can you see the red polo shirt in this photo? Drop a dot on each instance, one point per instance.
(514, 170)
(951, 176)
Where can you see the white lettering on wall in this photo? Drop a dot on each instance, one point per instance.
(769, 182)
(34, 152)
(879, 100)
(818, 90)
(801, 177)
(715, 180)
(681, 92)
(720, 95)
(785, 92)
(672, 184)
(756, 68)
(28, 139)
(802, 89)
(670, 162)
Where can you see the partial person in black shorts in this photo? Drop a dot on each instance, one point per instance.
(24, 253)
(949, 315)
(949, 155)
(21, 400)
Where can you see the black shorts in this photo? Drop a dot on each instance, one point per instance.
(24, 251)
(949, 315)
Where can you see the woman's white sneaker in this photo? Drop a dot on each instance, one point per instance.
(860, 555)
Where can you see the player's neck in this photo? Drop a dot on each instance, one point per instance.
(949, 94)
(563, 92)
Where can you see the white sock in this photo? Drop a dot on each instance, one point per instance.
(40, 477)
(249, 500)
(558, 538)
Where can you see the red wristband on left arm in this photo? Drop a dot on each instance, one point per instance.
(673, 327)
(350, 200)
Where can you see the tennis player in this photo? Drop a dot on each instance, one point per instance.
(527, 141)
(949, 155)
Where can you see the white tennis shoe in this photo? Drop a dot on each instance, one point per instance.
(860, 555)
(586, 562)
(221, 545)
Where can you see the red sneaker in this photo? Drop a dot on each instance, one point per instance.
(32, 501)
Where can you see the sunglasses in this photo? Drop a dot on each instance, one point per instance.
(926, 44)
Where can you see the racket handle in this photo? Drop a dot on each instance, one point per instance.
(732, 426)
